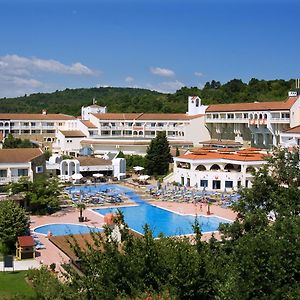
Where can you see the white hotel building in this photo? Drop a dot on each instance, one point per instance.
(257, 124)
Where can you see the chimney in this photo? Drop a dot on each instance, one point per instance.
(44, 111)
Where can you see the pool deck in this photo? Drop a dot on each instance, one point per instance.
(51, 254)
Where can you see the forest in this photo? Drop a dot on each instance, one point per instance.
(70, 101)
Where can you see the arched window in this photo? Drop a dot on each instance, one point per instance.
(215, 167)
(265, 116)
(250, 169)
(140, 132)
(229, 167)
(200, 168)
(197, 102)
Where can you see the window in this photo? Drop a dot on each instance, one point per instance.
(153, 124)
(39, 169)
(228, 184)
(69, 141)
(60, 124)
(138, 124)
(33, 124)
(285, 115)
(22, 172)
(245, 116)
(204, 183)
(25, 124)
(216, 184)
(215, 116)
(3, 173)
(230, 116)
(50, 124)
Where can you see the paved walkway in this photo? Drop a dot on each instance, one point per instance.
(51, 254)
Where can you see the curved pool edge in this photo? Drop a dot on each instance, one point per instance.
(49, 224)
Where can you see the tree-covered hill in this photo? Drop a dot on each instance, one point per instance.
(70, 101)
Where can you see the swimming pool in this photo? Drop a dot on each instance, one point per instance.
(160, 220)
(65, 229)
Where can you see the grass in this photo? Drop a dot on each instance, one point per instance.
(14, 283)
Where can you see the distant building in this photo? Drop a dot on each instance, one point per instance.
(218, 169)
(17, 163)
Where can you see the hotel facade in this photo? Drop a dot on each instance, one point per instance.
(241, 125)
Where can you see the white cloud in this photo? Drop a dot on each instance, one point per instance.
(162, 72)
(171, 86)
(199, 74)
(13, 63)
(166, 86)
(20, 75)
(129, 79)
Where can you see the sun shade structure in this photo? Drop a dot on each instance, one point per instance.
(144, 177)
(77, 176)
(98, 175)
(138, 168)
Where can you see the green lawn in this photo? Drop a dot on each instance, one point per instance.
(13, 283)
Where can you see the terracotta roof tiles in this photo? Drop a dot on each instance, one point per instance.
(73, 133)
(275, 105)
(39, 117)
(88, 124)
(146, 117)
(295, 129)
(19, 155)
(234, 155)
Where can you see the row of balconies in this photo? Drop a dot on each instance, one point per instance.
(247, 121)
(134, 127)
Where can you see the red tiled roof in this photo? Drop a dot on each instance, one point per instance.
(73, 133)
(295, 129)
(40, 117)
(25, 241)
(93, 161)
(234, 155)
(274, 105)
(88, 124)
(19, 155)
(146, 117)
(132, 141)
(221, 143)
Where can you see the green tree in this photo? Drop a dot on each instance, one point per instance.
(13, 223)
(11, 142)
(47, 154)
(41, 195)
(158, 155)
(120, 154)
(81, 207)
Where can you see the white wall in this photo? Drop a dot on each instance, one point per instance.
(196, 131)
(295, 114)
(94, 109)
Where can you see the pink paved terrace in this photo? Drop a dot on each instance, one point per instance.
(70, 215)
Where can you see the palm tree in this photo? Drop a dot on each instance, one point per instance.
(81, 207)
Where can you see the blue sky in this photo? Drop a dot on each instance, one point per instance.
(162, 45)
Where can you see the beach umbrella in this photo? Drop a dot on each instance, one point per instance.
(77, 176)
(138, 168)
(98, 175)
(144, 177)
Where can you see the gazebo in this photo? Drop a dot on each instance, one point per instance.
(25, 247)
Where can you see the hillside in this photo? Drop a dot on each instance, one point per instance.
(70, 101)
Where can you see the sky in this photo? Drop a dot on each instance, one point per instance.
(160, 45)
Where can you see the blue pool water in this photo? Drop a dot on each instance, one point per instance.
(64, 229)
(159, 220)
